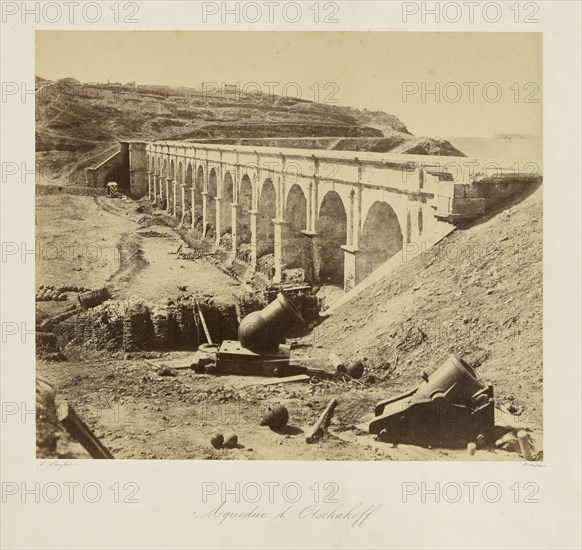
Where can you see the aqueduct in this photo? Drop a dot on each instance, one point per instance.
(339, 215)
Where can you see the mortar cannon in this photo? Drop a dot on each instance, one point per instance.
(259, 350)
(262, 331)
(451, 405)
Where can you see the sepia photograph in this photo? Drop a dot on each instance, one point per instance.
(290, 246)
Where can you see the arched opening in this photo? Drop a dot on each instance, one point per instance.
(296, 211)
(267, 212)
(381, 237)
(172, 189)
(163, 182)
(180, 179)
(296, 215)
(225, 208)
(211, 203)
(331, 225)
(188, 194)
(198, 188)
(243, 220)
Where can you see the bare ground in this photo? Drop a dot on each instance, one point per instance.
(140, 414)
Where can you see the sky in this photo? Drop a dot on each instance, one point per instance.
(487, 83)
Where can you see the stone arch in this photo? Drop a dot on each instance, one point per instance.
(296, 210)
(172, 188)
(245, 203)
(163, 184)
(267, 212)
(381, 238)
(210, 202)
(331, 225)
(198, 186)
(187, 181)
(181, 178)
(226, 199)
(296, 215)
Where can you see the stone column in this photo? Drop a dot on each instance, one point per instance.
(155, 182)
(254, 214)
(313, 207)
(312, 262)
(168, 195)
(204, 212)
(218, 221)
(281, 237)
(183, 196)
(149, 185)
(234, 208)
(353, 266)
(192, 207)
(357, 219)
(174, 201)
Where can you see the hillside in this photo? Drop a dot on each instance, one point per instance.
(77, 125)
(477, 294)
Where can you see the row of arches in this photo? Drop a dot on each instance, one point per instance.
(381, 235)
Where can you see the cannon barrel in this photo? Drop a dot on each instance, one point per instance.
(262, 331)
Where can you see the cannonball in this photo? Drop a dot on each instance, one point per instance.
(231, 441)
(275, 417)
(356, 369)
(217, 440)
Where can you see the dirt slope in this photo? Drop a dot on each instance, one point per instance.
(478, 294)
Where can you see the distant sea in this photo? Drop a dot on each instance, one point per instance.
(520, 148)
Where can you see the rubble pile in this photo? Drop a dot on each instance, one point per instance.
(266, 265)
(150, 234)
(135, 326)
(250, 302)
(243, 252)
(226, 242)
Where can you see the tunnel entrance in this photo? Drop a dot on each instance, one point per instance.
(267, 212)
(381, 237)
(332, 229)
